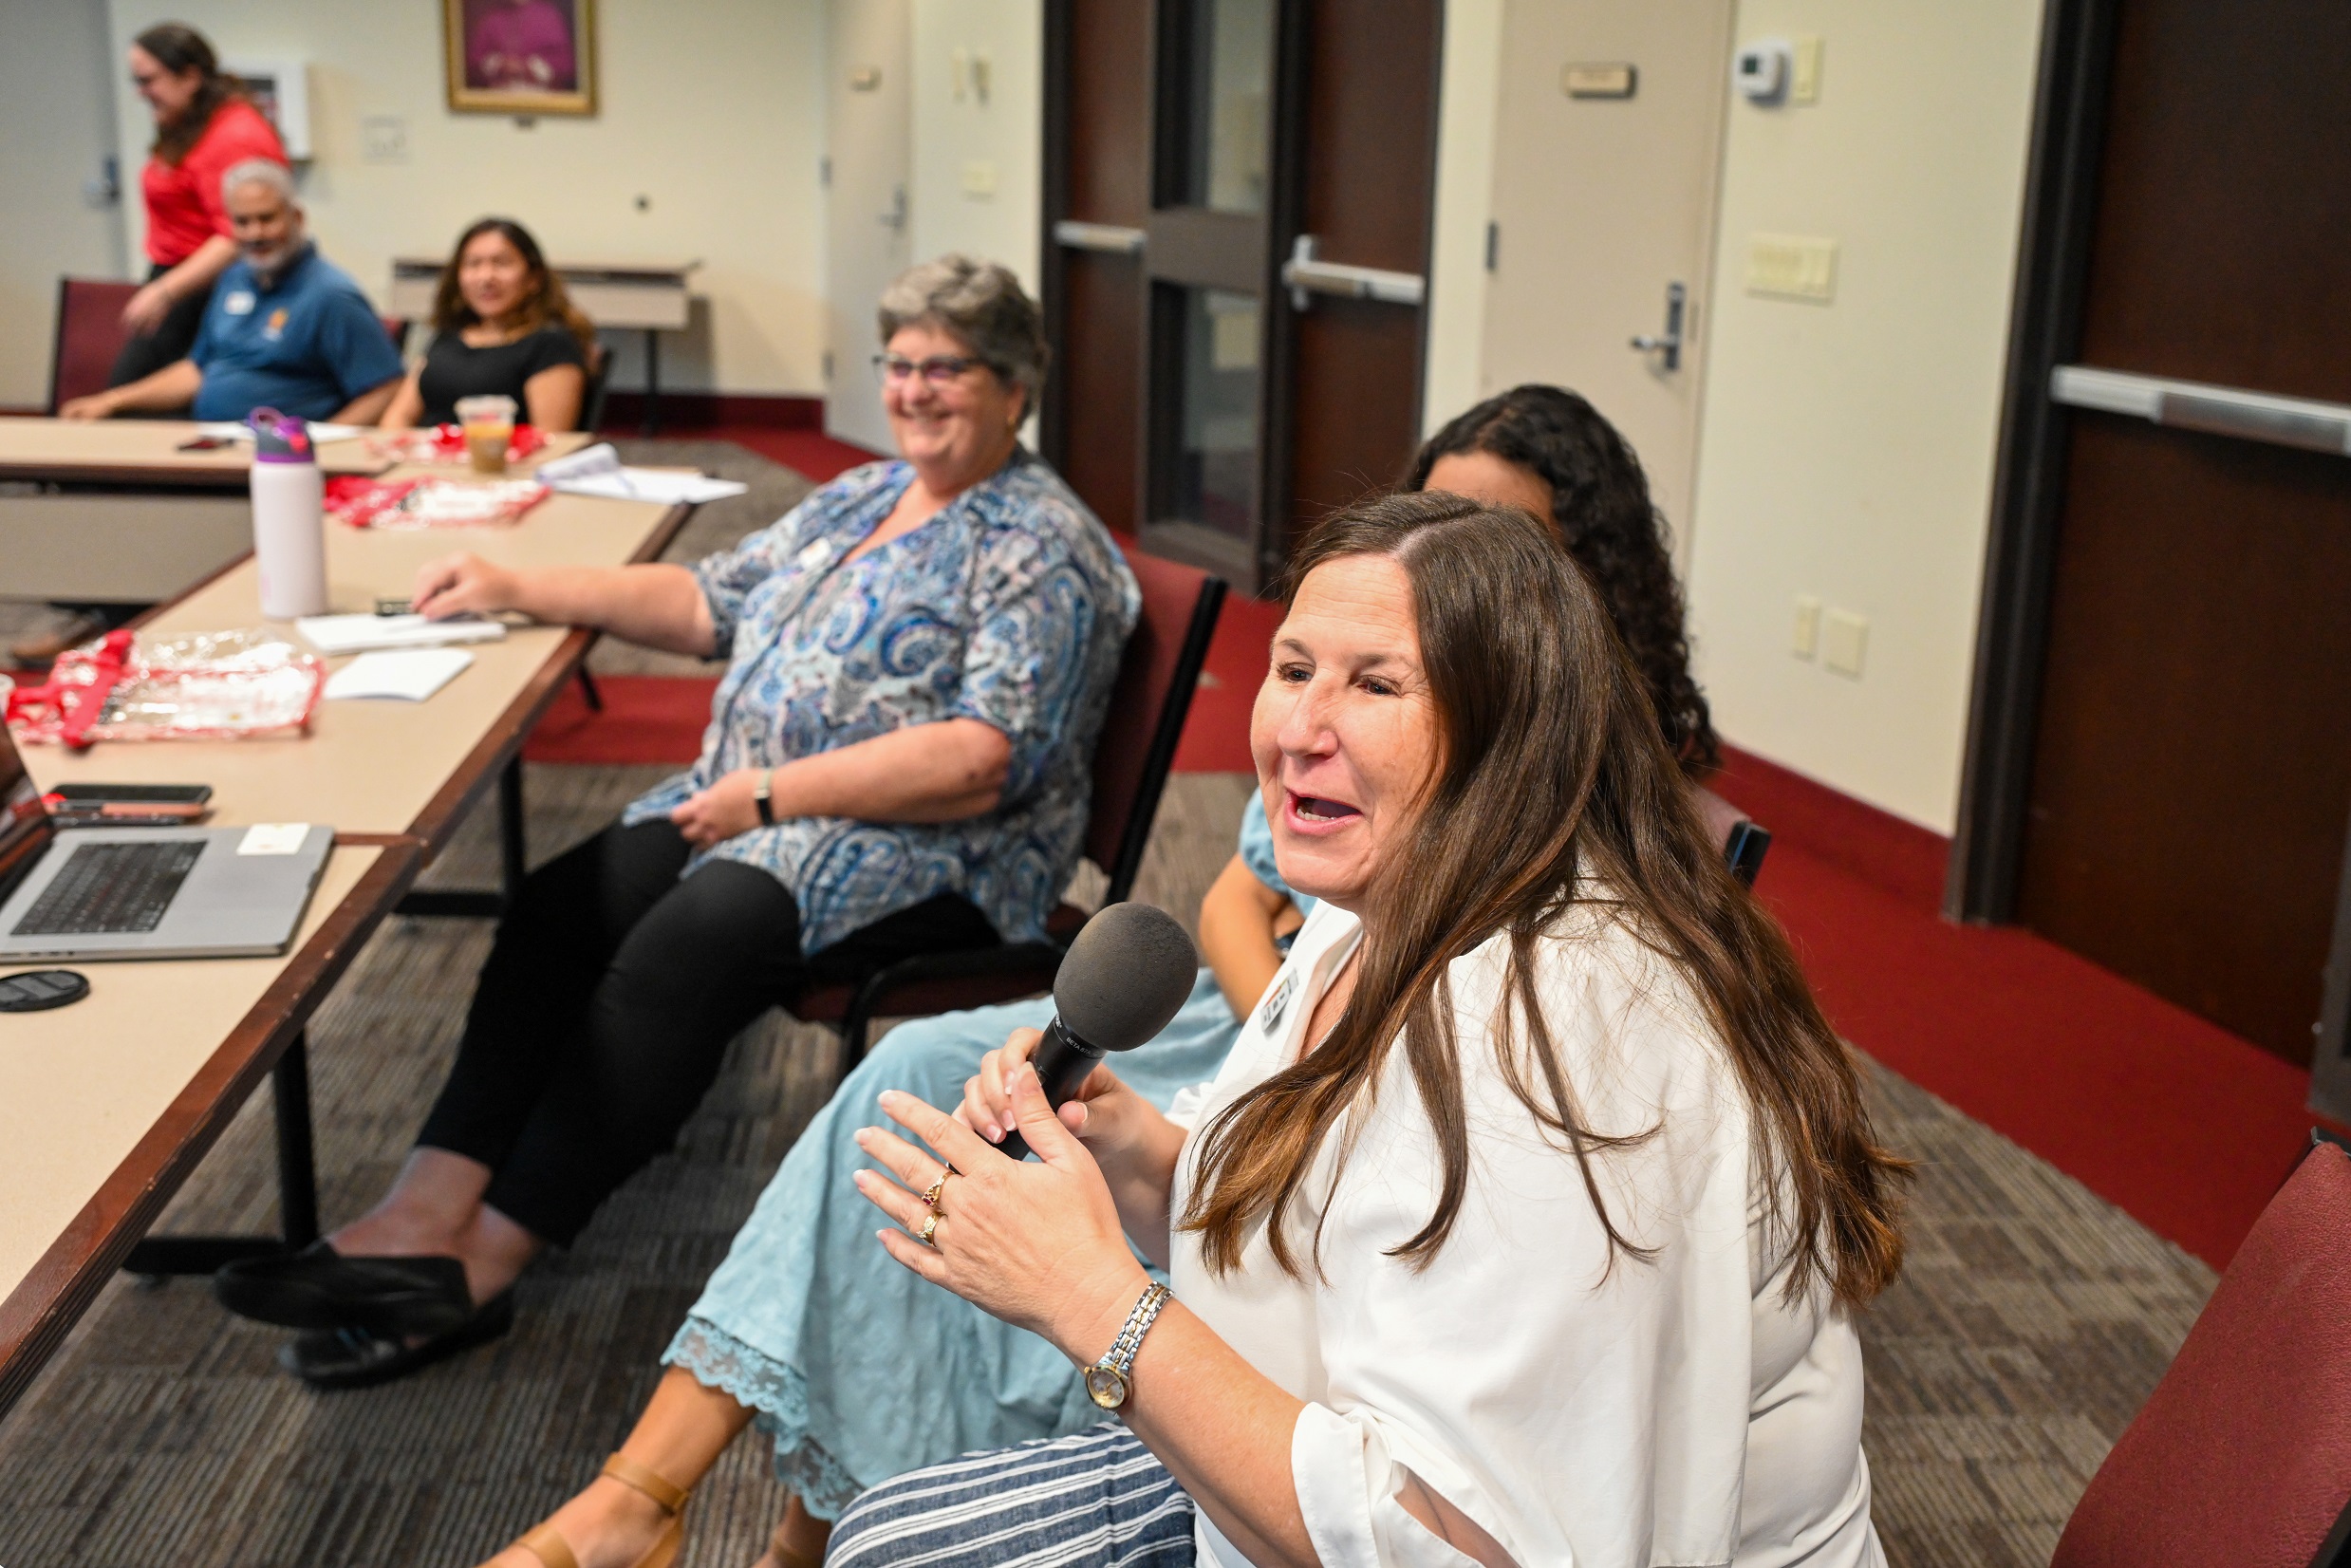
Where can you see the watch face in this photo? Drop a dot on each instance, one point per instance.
(1105, 1387)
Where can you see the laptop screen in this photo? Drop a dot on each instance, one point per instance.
(24, 820)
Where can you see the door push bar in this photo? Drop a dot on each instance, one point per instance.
(1304, 277)
(1110, 238)
(2303, 422)
(1670, 345)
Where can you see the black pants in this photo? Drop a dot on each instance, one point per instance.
(168, 344)
(607, 1004)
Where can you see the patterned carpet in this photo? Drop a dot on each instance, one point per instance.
(2031, 1322)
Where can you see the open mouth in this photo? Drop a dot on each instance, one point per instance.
(1317, 809)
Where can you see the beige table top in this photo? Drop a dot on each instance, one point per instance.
(81, 1085)
(371, 767)
(148, 451)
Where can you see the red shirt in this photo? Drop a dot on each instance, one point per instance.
(184, 208)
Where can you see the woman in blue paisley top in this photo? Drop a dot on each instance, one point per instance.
(898, 760)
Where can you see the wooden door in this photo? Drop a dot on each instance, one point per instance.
(868, 180)
(1604, 203)
(2191, 782)
(1200, 399)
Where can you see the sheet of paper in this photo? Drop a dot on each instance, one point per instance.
(273, 838)
(410, 675)
(334, 634)
(230, 430)
(597, 470)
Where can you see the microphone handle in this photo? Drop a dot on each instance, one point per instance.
(1063, 1062)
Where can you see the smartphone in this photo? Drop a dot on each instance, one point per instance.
(91, 796)
(206, 443)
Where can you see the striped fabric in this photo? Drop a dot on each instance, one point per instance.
(1097, 1498)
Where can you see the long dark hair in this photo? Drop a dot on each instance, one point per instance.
(180, 49)
(1554, 793)
(545, 302)
(1599, 500)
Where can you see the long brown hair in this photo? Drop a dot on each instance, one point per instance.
(1554, 784)
(545, 302)
(1601, 503)
(180, 49)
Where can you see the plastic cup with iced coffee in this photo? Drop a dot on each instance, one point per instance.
(488, 424)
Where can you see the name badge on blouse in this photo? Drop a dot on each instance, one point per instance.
(237, 303)
(1276, 1002)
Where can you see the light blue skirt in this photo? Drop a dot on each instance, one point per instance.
(859, 1369)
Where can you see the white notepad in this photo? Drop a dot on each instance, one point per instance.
(333, 634)
(410, 675)
(598, 471)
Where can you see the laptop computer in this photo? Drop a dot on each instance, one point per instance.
(90, 894)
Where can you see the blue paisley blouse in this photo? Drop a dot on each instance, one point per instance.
(1010, 606)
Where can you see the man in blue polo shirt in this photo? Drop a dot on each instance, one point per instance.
(286, 329)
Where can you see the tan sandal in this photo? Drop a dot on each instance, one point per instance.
(547, 1543)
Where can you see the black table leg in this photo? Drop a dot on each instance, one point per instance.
(297, 1188)
(472, 904)
(652, 380)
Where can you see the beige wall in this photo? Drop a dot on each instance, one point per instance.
(711, 110)
(1847, 449)
(1467, 93)
(56, 127)
(1003, 134)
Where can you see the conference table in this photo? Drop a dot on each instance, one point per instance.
(119, 512)
(107, 1105)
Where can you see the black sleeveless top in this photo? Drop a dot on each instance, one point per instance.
(453, 370)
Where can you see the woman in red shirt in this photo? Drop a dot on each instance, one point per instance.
(204, 126)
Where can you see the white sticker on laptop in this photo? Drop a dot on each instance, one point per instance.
(273, 838)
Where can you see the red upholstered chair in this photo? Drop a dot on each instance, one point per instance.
(1157, 676)
(2242, 1457)
(89, 335)
(1744, 842)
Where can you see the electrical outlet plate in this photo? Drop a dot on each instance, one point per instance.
(979, 179)
(1804, 73)
(383, 139)
(1845, 638)
(1798, 266)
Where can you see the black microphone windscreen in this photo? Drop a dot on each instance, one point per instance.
(1123, 976)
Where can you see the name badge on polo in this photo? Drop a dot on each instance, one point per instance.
(1278, 1002)
(238, 302)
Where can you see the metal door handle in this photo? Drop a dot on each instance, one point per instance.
(896, 217)
(1305, 276)
(2304, 422)
(1678, 298)
(1110, 238)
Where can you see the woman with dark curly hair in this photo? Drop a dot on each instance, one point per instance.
(1592, 489)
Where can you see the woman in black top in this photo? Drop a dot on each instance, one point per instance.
(501, 323)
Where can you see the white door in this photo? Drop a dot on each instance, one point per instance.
(1601, 205)
(58, 75)
(870, 139)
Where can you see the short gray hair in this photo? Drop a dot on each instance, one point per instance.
(260, 170)
(981, 303)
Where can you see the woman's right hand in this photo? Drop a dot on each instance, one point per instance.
(462, 584)
(146, 309)
(1103, 1112)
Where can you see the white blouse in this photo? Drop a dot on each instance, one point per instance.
(1671, 1411)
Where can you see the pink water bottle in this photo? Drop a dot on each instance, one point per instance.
(290, 511)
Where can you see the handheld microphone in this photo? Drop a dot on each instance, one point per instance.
(1122, 980)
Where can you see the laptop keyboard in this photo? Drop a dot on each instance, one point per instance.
(111, 890)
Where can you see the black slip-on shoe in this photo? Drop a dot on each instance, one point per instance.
(354, 1358)
(318, 1288)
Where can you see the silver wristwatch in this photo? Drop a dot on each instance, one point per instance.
(1108, 1380)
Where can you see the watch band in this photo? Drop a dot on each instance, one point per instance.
(1109, 1380)
(761, 797)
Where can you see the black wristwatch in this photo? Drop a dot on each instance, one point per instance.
(760, 797)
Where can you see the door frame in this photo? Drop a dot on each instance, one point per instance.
(2028, 475)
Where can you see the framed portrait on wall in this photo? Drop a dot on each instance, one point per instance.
(523, 57)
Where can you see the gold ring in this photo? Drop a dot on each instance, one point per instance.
(929, 1225)
(930, 1194)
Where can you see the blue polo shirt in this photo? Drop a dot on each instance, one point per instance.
(305, 343)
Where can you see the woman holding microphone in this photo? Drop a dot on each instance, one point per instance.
(1525, 1221)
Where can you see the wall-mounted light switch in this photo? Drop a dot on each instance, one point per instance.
(1807, 626)
(1845, 638)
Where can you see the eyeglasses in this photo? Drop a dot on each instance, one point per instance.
(938, 370)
